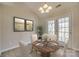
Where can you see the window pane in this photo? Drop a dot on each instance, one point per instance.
(19, 24)
(29, 25)
(51, 27)
(59, 20)
(66, 24)
(62, 20)
(60, 34)
(66, 29)
(67, 19)
(60, 39)
(62, 24)
(63, 30)
(66, 35)
(63, 39)
(60, 30)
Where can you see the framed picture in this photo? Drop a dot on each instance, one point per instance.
(21, 24)
(29, 25)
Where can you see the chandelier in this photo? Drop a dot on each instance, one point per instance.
(45, 8)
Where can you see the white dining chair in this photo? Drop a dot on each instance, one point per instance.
(34, 38)
(24, 49)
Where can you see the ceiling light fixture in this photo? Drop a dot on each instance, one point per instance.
(45, 8)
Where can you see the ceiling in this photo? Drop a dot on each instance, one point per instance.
(33, 6)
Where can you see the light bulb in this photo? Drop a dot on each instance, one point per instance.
(49, 7)
(45, 6)
(47, 11)
(42, 11)
(40, 8)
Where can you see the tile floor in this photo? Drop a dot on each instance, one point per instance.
(18, 52)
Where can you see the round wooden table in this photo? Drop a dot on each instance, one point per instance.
(45, 50)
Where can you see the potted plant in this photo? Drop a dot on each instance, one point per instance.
(39, 32)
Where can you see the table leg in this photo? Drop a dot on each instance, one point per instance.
(45, 54)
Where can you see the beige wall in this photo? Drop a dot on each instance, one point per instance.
(73, 13)
(75, 28)
(0, 27)
(10, 39)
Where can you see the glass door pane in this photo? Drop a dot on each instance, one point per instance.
(51, 27)
(63, 29)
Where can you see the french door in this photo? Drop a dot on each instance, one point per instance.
(63, 29)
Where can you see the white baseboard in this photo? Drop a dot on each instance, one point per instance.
(10, 48)
(0, 53)
(13, 47)
(75, 49)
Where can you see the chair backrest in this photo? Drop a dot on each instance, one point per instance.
(52, 37)
(34, 37)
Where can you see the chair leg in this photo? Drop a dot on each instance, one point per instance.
(31, 50)
(36, 52)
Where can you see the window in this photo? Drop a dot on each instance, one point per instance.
(63, 29)
(21, 24)
(51, 26)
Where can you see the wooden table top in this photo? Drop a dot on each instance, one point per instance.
(39, 45)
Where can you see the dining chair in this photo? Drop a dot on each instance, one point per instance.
(23, 48)
(34, 38)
